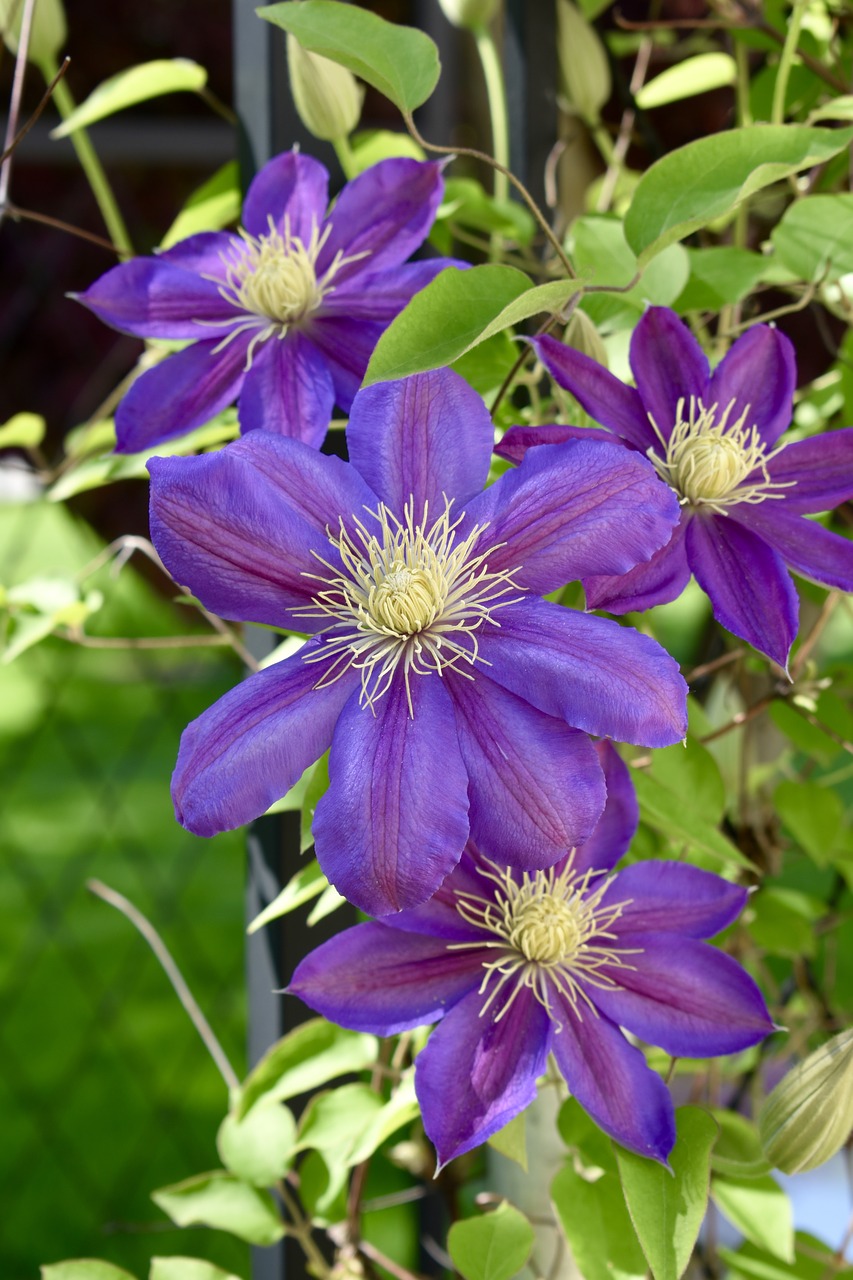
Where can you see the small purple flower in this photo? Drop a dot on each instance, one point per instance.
(284, 315)
(456, 701)
(521, 964)
(713, 438)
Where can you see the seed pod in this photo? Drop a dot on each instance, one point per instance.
(326, 95)
(809, 1115)
(47, 33)
(584, 70)
(582, 334)
(469, 13)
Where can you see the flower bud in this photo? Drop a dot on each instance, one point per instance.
(584, 70)
(582, 334)
(809, 1115)
(326, 95)
(469, 13)
(48, 31)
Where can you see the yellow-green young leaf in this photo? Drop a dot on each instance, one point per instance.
(306, 1058)
(47, 33)
(595, 1221)
(306, 884)
(511, 1140)
(839, 109)
(213, 205)
(813, 814)
(686, 79)
(318, 785)
(666, 811)
(813, 1260)
(444, 320)
(336, 1122)
(258, 1148)
(178, 1268)
(220, 1200)
(130, 87)
(667, 1208)
(738, 1152)
(401, 1108)
(23, 431)
(400, 62)
(369, 146)
(815, 237)
(84, 1269)
(760, 1210)
(710, 177)
(582, 59)
(492, 1247)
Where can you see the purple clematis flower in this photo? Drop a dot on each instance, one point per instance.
(283, 316)
(455, 700)
(521, 964)
(714, 438)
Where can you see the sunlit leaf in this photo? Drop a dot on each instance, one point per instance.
(220, 1200)
(132, 86)
(305, 1058)
(493, 1246)
(688, 78)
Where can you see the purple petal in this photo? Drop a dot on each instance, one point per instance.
(673, 896)
(668, 365)
(661, 579)
(536, 786)
(746, 582)
(243, 527)
(591, 672)
(394, 820)
(291, 185)
(153, 298)
(288, 390)
(248, 749)
(604, 397)
(571, 510)
(182, 392)
(804, 545)
(611, 1080)
(685, 996)
(617, 826)
(383, 296)
(370, 978)
(439, 916)
(202, 253)
(385, 214)
(514, 444)
(477, 1072)
(822, 469)
(347, 346)
(424, 438)
(760, 371)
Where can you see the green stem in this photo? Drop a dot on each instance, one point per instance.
(786, 61)
(496, 92)
(91, 165)
(744, 110)
(346, 159)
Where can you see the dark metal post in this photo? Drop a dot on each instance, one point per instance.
(530, 70)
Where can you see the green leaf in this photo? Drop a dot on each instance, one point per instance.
(335, 1122)
(597, 1225)
(84, 1269)
(401, 1108)
(259, 1146)
(323, 1190)
(511, 1140)
(220, 1200)
(813, 814)
(815, 237)
(738, 1152)
(308, 882)
(306, 1057)
(213, 205)
(136, 84)
(687, 78)
(23, 431)
(318, 785)
(603, 257)
(692, 771)
(444, 320)
(369, 146)
(760, 1210)
(839, 109)
(468, 204)
(667, 1210)
(813, 1260)
(328, 902)
(400, 62)
(177, 1268)
(710, 177)
(781, 921)
(666, 811)
(492, 1247)
(718, 277)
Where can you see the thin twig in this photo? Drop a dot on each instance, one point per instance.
(142, 642)
(707, 668)
(829, 606)
(24, 130)
(742, 718)
(29, 215)
(173, 973)
(15, 100)
(375, 1255)
(626, 125)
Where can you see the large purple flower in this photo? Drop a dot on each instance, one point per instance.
(284, 315)
(454, 699)
(522, 964)
(714, 438)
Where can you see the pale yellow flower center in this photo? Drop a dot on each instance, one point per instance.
(411, 596)
(552, 932)
(712, 464)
